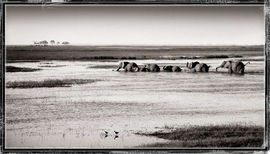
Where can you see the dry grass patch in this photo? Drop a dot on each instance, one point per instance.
(211, 136)
(48, 83)
(20, 69)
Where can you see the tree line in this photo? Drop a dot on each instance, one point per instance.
(51, 42)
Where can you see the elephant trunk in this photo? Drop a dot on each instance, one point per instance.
(217, 68)
(247, 63)
(137, 69)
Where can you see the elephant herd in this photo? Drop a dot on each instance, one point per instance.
(237, 67)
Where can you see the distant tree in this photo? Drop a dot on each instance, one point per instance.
(44, 42)
(65, 42)
(36, 43)
(58, 43)
(52, 42)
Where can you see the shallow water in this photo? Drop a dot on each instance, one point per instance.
(76, 117)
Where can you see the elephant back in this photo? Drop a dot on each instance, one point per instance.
(176, 69)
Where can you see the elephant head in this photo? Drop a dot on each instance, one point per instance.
(191, 64)
(233, 66)
(167, 68)
(132, 67)
(122, 65)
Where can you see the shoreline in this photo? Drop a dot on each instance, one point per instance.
(128, 53)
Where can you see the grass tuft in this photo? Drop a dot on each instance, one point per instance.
(211, 136)
(48, 83)
(20, 69)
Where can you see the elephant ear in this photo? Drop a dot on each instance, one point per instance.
(194, 64)
(125, 64)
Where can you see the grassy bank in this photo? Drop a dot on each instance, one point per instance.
(20, 69)
(210, 136)
(48, 83)
(23, 53)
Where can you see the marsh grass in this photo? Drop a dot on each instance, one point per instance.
(28, 53)
(20, 69)
(48, 83)
(211, 136)
(22, 61)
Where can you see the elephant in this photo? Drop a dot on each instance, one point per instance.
(176, 69)
(198, 67)
(202, 67)
(172, 69)
(237, 67)
(167, 68)
(152, 67)
(132, 67)
(122, 65)
(143, 69)
(128, 67)
(192, 64)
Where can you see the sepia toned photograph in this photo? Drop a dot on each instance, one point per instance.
(134, 76)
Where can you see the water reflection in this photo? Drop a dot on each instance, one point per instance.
(77, 116)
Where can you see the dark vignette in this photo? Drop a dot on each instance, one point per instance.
(134, 2)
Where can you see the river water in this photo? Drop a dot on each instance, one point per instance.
(77, 116)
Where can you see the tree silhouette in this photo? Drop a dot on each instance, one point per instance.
(65, 42)
(52, 42)
(44, 42)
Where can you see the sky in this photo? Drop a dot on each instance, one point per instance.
(135, 25)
